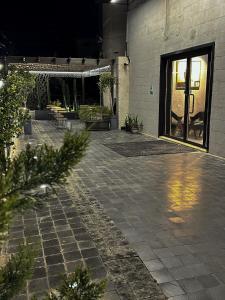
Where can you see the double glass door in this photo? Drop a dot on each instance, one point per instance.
(187, 97)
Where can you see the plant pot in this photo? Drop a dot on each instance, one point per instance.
(135, 130)
(141, 127)
(71, 115)
(42, 114)
(28, 127)
(114, 123)
(128, 128)
(97, 125)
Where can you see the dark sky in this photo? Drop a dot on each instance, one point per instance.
(53, 29)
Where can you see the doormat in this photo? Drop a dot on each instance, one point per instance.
(146, 148)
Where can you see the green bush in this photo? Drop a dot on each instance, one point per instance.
(16, 271)
(132, 122)
(78, 286)
(94, 112)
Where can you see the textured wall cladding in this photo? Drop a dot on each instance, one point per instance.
(189, 23)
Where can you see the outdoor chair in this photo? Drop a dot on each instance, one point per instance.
(197, 124)
(176, 123)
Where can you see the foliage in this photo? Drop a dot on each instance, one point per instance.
(132, 122)
(79, 286)
(106, 81)
(94, 112)
(17, 86)
(36, 166)
(16, 271)
(19, 190)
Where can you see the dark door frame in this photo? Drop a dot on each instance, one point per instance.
(165, 87)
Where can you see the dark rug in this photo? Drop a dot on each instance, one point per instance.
(146, 148)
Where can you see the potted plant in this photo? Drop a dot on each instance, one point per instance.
(95, 117)
(106, 82)
(133, 125)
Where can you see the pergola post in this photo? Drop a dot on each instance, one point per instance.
(48, 91)
(75, 93)
(83, 89)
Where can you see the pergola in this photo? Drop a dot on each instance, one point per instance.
(47, 67)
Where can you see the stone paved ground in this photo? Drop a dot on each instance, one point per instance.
(171, 208)
(73, 229)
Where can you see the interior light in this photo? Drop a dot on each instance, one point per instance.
(1, 67)
(113, 1)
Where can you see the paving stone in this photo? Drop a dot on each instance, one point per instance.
(83, 237)
(71, 256)
(69, 247)
(72, 265)
(163, 252)
(93, 262)
(55, 281)
(49, 236)
(50, 243)
(39, 262)
(191, 285)
(162, 276)
(39, 273)
(87, 253)
(54, 259)
(57, 269)
(37, 285)
(172, 289)
(171, 262)
(67, 240)
(154, 265)
(86, 244)
(216, 292)
(208, 281)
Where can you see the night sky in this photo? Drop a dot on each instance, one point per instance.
(55, 29)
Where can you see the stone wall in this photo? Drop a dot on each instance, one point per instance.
(122, 75)
(157, 27)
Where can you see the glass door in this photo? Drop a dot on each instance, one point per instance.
(177, 103)
(187, 92)
(197, 99)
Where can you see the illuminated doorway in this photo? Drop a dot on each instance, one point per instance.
(185, 95)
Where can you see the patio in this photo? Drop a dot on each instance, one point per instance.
(170, 208)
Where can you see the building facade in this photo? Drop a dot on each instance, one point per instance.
(176, 50)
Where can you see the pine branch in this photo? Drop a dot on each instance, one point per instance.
(33, 167)
(15, 273)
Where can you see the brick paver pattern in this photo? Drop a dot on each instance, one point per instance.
(171, 208)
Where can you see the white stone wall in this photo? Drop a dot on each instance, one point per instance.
(188, 23)
(122, 83)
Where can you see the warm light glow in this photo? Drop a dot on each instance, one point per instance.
(114, 1)
(195, 70)
(90, 73)
(184, 190)
(1, 83)
(181, 70)
(1, 67)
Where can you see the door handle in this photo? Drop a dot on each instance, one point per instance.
(193, 103)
